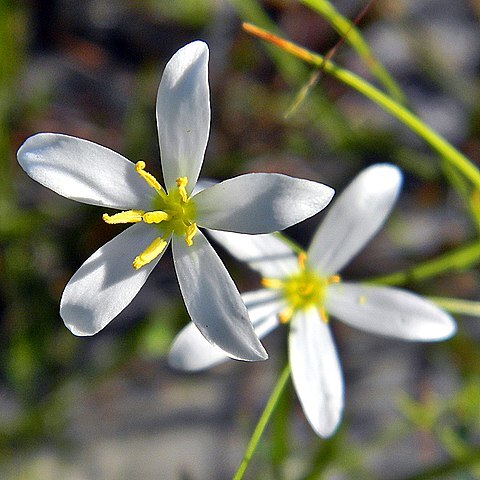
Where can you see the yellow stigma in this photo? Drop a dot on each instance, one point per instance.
(181, 184)
(173, 213)
(150, 253)
(303, 290)
(286, 314)
(273, 283)
(302, 260)
(190, 231)
(155, 217)
(129, 216)
(323, 314)
(149, 178)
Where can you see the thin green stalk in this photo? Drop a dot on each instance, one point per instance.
(262, 423)
(469, 195)
(458, 306)
(289, 242)
(436, 141)
(353, 37)
(459, 259)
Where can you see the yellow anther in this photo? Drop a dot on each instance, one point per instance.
(302, 290)
(156, 216)
(150, 253)
(362, 299)
(302, 260)
(149, 178)
(274, 283)
(334, 279)
(181, 184)
(286, 314)
(323, 314)
(190, 231)
(128, 216)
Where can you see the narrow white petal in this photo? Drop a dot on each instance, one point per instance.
(388, 311)
(213, 301)
(260, 203)
(183, 114)
(354, 217)
(192, 352)
(316, 371)
(263, 306)
(107, 282)
(265, 253)
(84, 171)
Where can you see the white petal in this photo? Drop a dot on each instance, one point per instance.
(106, 283)
(213, 301)
(263, 306)
(316, 371)
(192, 352)
(84, 171)
(260, 203)
(183, 114)
(354, 217)
(265, 253)
(388, 311)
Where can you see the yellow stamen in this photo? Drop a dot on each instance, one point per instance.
(272, 283)
(302, 290)
(181, 184)
(334, 279)
(156, 216)
(149, 178)
(190, 231)
(128, 216)
(323, 314)
(302, 260)
(286, 314)
(150, 253)
(362, 299)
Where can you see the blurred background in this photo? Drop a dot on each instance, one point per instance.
(109, 407)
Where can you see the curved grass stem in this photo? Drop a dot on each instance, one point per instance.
(436, 141)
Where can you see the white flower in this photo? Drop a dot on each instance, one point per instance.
(302, 290)
(256, 203)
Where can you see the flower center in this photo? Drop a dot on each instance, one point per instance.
(172, 213)
(302, 290)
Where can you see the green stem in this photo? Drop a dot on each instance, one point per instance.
(353, 37)
(438, 143)
(460, 259)
(458, 306)
(262, 422)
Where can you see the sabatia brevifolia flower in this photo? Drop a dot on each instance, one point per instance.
(256, 203)
(304, 290)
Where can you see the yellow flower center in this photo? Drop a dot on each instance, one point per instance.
(302, 290)
(172, 213)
